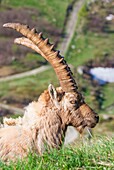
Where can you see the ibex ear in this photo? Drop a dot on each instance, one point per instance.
(52, 92)
(53, 95)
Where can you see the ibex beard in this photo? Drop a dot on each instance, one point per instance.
(45, 121)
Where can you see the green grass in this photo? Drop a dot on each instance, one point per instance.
(108, 91)
(96, 155)
(89, 46)
(28, 87)
(53, 11)
(28, 62)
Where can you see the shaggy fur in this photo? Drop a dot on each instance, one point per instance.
(44, 123)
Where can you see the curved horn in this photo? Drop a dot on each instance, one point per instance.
(46, 49)
(28, 43)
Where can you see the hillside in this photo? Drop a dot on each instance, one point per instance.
(46, 17)
(91, 46)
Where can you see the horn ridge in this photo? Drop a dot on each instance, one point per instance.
(46, 49)
(51, 46)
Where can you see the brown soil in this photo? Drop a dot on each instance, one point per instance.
(5, 71)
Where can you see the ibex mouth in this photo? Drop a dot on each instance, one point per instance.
(92, 124)
(81, 128)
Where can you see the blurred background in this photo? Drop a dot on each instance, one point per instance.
(89, 51)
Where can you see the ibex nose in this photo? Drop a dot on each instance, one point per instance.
(97, 118)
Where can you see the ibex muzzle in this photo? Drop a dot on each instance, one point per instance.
(91, 118)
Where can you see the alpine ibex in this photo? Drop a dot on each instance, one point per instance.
(45, 121)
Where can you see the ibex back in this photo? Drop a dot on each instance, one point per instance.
(45, 121)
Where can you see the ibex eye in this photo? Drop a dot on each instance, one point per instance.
(73, 102)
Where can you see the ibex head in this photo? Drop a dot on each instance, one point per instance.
(72, 109)
(70, 103)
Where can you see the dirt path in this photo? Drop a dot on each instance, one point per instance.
(25, 74)
(70, 27)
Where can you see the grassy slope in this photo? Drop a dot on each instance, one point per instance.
(29, 87)
(53, 11)
(88, 44)
(85, 45)
(53, 15)
(98, 155)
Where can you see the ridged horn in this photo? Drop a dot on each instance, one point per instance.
(42, 46)
(28, 43)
